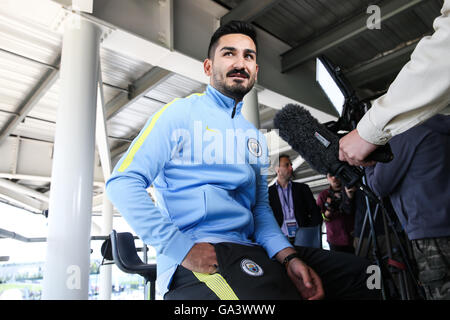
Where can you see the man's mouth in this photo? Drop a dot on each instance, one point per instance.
(241, 75)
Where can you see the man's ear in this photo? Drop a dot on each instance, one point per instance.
(207, 67)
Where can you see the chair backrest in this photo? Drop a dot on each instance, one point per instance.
(106, 250)
(126, 258)
(308, 237)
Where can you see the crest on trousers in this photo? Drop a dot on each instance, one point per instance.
(251, 268)
(254, 147)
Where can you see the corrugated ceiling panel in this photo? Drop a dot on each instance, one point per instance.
(297, 21)
(23, 34)
(16, 77)
(175, 86)
(415, 26)
(145, 108)
(119, 70)
(428, 11)
(46, 108)
(37, 129)
(20, 34)
(128, 123)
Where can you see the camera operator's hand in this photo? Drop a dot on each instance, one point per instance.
(354, 149)
(350, 192)
(328, 207)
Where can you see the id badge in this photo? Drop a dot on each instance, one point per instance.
(291, 226)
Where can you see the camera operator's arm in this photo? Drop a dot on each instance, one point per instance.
(421, 89)
(347, 205)
(383, 178)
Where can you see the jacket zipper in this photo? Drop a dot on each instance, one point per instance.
(234, 110)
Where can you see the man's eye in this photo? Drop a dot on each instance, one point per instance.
(229, 53)
(249, 56)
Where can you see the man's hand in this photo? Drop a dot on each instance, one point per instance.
(306, 280)
(327, 206)
(201, 258)
(354, 149)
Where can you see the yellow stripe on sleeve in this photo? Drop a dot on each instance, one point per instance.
(140, 141)
(217, 284)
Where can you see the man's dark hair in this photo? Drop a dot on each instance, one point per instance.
(283, 156)
(234, 26)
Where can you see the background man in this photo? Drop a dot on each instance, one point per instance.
(292, 203)
(337, 206)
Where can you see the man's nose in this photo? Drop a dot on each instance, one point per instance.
(239, 63)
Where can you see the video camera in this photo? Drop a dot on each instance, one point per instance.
(344, 99)
(335, 203)
(341, 94)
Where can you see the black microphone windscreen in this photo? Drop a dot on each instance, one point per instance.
(312, 140)
(317, 145)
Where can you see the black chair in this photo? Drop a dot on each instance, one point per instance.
(124, 253)
(309, 237)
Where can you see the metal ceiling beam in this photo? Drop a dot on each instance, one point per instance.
(119, 150)
(283, 149)
(248, 10)
(27, 202)
(166, 36)
(340, 34)
(311, 178)
(35, 161)
(138, 89)
(101, 134)
(12, 235)
(377, 68)
(268, 124)
(40, 178)
(45, 83)
(97, 201)
(23, 190)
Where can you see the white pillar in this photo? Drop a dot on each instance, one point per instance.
(250, 109)
(66, 274)
(106, 270)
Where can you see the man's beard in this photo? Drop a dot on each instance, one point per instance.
(237, 91)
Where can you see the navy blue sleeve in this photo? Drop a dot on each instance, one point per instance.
(383, 178)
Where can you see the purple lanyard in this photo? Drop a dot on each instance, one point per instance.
(286, 201)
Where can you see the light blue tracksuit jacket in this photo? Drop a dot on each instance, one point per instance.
(208, 168)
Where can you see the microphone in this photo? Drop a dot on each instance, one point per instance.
(317, 145)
